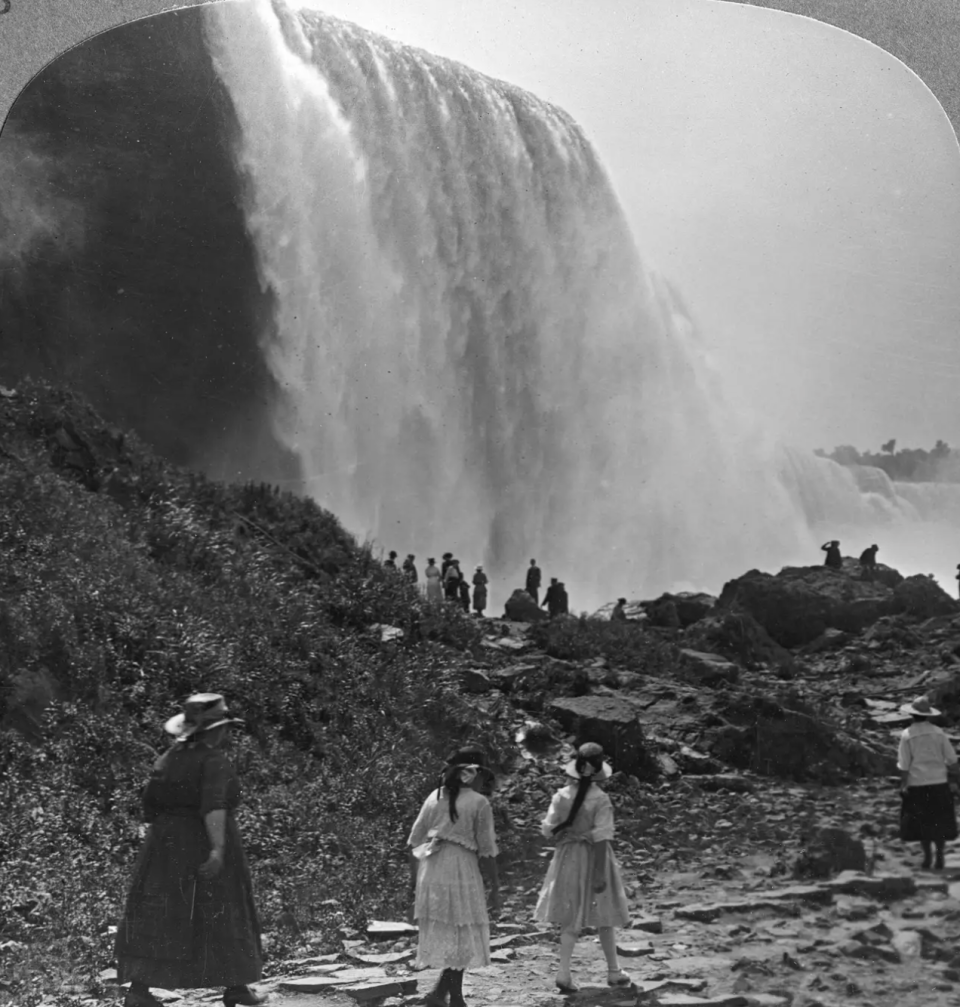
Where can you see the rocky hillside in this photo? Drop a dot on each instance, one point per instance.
(742, 724)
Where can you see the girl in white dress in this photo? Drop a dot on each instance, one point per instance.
(583, 887)
(454, 845)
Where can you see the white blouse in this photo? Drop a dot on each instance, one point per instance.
(594, 821)
(926, 752)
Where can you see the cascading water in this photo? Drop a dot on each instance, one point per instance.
(471, 355)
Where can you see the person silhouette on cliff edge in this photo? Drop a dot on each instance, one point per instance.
(533, 581)
(868, 561)
(833, 557)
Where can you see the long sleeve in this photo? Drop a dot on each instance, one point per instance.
(423, 824)
(949, 753)
(603, 822)
(904, 755)
(557, 813)
(215, 788)
(486, 835)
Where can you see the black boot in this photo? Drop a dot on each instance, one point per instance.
(139, 995)
(437, 997)
(926, 855)
(938, 863)
(237, 995)
(456, 988)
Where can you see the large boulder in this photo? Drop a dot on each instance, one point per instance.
(762, 735)
(922, 596)
(610, 722)
(521, 607)
(703, 668)
(828, 851)
(738, 636)
(796, 605)
(689, 606)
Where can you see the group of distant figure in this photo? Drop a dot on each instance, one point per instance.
(868, 558)
(448, 582)
(555, 598)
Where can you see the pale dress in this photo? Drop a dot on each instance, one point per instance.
(434, 587)
(451, 907)
(567, 895)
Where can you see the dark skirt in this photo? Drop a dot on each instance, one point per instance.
(927, 814)
(179, 932)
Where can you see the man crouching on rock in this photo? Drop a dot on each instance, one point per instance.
(925, 758)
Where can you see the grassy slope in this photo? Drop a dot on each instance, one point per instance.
(119, 595)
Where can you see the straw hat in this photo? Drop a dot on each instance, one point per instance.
(203, 711)
(920, 707)
(594, 753)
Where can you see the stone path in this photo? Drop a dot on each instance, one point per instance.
(746, 941)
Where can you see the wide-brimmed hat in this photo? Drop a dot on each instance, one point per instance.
(920, 707)
(592, 751)
(203, 711)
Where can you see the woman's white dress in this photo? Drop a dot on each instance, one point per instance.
(567, 895)
(451, 906)
(434, 586)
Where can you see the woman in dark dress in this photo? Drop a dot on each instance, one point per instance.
(190, 921)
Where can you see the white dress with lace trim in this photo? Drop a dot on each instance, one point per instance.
(451, 906)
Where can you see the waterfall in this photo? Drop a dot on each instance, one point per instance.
(471, 355)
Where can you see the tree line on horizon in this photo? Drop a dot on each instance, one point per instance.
(940, 464)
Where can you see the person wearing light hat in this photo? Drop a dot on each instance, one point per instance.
(925, 758)
(454, 846)
(190, 921)
(583, 886)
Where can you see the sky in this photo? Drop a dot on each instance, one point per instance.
(799, 185)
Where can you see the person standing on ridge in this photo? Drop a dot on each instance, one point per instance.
(479, 591)
(551, 598)
(868, 561)
(833, 557)
(618, 614)
(391, 562)
(533, 581)
(434, 584)
(451, 581)
(409, 570)
(564, 599)
(925, 759)
(445, 565)
(464, 588)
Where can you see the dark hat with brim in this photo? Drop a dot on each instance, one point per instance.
(203, 711)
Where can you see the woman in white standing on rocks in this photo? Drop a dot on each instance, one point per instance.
(454, 845)
(924, 759)
(583, 887)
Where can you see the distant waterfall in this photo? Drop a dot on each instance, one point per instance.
(472, 356)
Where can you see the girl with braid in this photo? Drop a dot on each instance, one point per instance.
(583, 887)
(454, 848)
